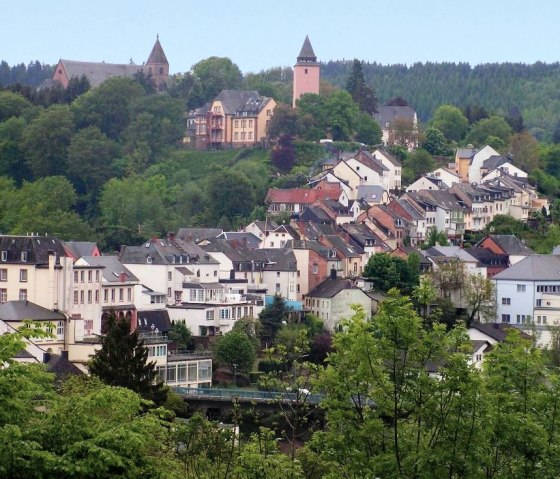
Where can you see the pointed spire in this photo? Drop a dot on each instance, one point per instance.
(307, 54)
(157, 56)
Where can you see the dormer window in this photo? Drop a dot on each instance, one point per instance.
(24, 256)
(149, 259)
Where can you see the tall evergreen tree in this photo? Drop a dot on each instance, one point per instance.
(271, 319)
(362, 94)
(123, 361)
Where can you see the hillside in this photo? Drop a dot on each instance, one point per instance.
(498, 87)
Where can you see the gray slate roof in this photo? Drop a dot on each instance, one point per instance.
(330, 288)
(512, 245)
(157, 54)
(388, 114)
(537, 267)
(495, 161)
(112, 268)
(159, 318)
(370, 193)
(497, 331)
(37, 248)
(21, 310)
(98, 72)
(236, 101)
(198, 234)
(307, 54)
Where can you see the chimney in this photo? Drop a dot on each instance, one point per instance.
(333, 273)
(46, 357)
(122, 277)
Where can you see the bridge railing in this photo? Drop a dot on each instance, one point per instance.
(250, 395)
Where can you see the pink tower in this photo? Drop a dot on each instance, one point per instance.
(306, 72)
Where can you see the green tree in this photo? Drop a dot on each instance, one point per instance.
(12, 104)
(283, 156)
(434, 142)
(361, 93)
(108, 106)
(450, 121)
(46, 141)
(482, 130)
(368, 130)
(387, 272)
(90, 158)
(271, 318)
(216, 74)
(229, 194)
(480, 299)
(181, 335)
(236, 350)
(420, 162)
(11, 150)
(123, 361)
(436, 237)
(285, 121)
(341, 113)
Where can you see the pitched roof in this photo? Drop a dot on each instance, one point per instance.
(21, 310)
(157, 55)
(390, 157)
(301, 195)
(330, 288)
(370, 193)
(77, 249)
(37, 248)
(495, 161)
(159, 318)
(241, 238)
(198, 234)
(388, 114)
(112, 268)
(511, 244)
(537, 267)
(61, 367)
(497, 331)
(98, 72)
(370, 161)
(466, 152)
(237, 101)
(306, 53)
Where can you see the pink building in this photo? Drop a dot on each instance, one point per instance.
(306, 72)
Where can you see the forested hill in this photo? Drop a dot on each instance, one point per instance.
(498, 87)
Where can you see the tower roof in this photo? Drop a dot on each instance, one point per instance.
(307, 54)
(157, 55)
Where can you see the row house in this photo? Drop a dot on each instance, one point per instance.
(164, 264)
(314, 261)
(261, 229)
(509, 245)
(367, 240)
(450, 212)
(296, 200)
(234, 119)
(414, 201)
(280, 237)
(469, 162)
(496, 165)
(352, 259)
(483, 202)
(391, 227)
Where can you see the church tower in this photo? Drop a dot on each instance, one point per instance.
(306, 72)
(157, 66)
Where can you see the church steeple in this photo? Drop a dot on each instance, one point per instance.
(307, 55)
(306, 72)
(157, 66)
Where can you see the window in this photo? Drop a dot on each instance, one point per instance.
(204, 370)
(3, 295)
(23, 275)
(521, 288)
(3, 274)
(161, 372)
(90, 276)
(250, 135)
(112, 295)
(192, 372)
(81, 276)
(169, 276)
(236, 136)
(4, 256)
(90, 296)
(315, 268)
(129, 295)
(169, 292)
(76, 294)
(97, 276)
(250, 123)
(209, 315)
(75, 276)
(81, 297)
(97, 296)
(121, 295)
(23, 295)
(505, 318)
(181, 372)
(278, 288)
(171, 374)
(88, 326)
(178, 296)
(224, 313)
(24, 256)
(105, 295)
(506, 300)
(60, 328)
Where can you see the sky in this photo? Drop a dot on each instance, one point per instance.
(261, 34)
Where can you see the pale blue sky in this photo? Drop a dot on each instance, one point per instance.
(259, 34)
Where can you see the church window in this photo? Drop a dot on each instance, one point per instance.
(306, 71)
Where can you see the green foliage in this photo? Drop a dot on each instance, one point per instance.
(368, 130)
(123, 361)
(271, 318)
(450, 121)
(12, 105)
(420, 162)
(484, 131)
(182, 335)
(236, 350)
(434, 142)
(436, 237)
(216, 74)
(387, 272)
(229, 195)
(361, 93)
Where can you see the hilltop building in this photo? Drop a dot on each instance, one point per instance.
(306, 72)
(156, 67)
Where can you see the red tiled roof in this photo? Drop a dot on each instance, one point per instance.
(301, 195)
